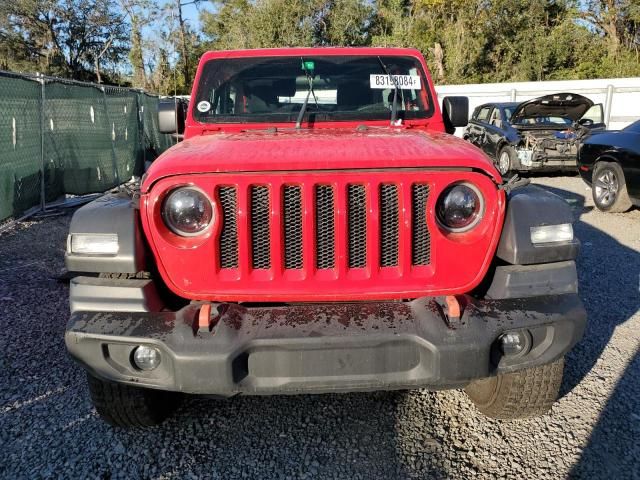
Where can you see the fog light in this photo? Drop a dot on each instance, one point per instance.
(146, 358)
(515, 343)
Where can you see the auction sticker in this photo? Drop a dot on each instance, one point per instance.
(404, 82)
(203, 106)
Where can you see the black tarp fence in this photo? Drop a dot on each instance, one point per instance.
(61, 137)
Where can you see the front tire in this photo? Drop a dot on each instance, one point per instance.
(125, 406)
(609, 188)
(524, 394)
(506, 161)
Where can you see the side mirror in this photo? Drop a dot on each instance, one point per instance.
(455, 111)
(171, 115)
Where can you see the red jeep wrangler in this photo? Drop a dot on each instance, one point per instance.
(318, 231)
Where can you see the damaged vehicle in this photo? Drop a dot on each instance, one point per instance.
(543, 134)
(318, 231)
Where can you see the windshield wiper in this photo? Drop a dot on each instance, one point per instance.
(394, 107)
(309, 93)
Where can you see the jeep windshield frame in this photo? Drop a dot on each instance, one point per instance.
(272, 89)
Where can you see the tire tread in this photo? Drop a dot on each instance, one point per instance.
(126, 406)
(524, 394)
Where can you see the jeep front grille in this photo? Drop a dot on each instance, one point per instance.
(388, 225)
(292, 225)
(420, 248)
(357, 217)
(260, 241)
(326, 226)
(229, 233)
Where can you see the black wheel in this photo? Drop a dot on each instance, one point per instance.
(523, 394)
(126, 406)
(506, 161)
(609, 188)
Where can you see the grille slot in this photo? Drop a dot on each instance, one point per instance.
(325, 227)
(260, 234)
(229, 234)
(421, 245)
(357, 212)
(389, 225)
(292, 216)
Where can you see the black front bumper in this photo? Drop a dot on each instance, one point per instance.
(325, 347)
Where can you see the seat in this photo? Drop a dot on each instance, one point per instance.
(262, 99)
(353, 95)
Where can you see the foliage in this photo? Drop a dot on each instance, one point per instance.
(463, 41)
(70, 38)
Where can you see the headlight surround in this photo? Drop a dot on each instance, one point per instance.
(459, 207)
(187, 211)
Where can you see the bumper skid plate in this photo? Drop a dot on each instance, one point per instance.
(314, 348)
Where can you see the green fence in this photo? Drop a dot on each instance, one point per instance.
(60, 137)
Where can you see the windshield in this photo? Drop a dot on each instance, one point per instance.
(545, 120)
(508, 112)
(273, 89)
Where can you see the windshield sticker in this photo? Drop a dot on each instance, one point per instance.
(204, 106)
(308, 65)
(404, 82)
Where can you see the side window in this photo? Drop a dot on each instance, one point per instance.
(483, 115)
(495, 117)
(595, 114)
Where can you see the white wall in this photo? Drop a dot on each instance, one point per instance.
(619, 96)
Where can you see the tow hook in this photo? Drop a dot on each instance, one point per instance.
(208, 317)
(513, 183)
(451, 308)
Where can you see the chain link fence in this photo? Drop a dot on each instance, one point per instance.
(62, 137)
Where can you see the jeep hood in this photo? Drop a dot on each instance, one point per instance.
(321, 149)
(567, 105)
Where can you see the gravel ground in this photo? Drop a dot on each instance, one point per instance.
(49, 429)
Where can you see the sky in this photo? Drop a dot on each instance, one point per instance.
(192, 13)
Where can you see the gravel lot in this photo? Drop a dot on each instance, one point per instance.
(49, 429)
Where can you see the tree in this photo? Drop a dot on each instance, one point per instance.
(72, 38)
(277, 23)
(139, 13)
(463, 40)
(343, 22)
(179, 41)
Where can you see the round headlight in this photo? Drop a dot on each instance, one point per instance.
(459, 207)
(187, 211)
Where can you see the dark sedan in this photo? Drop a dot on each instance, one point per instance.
(609, 161)
(489, 129)
(537, 135)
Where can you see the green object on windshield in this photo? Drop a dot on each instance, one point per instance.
(308, 65)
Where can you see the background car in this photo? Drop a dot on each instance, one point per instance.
(537, 135)
(610, 162)
(490, 130)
